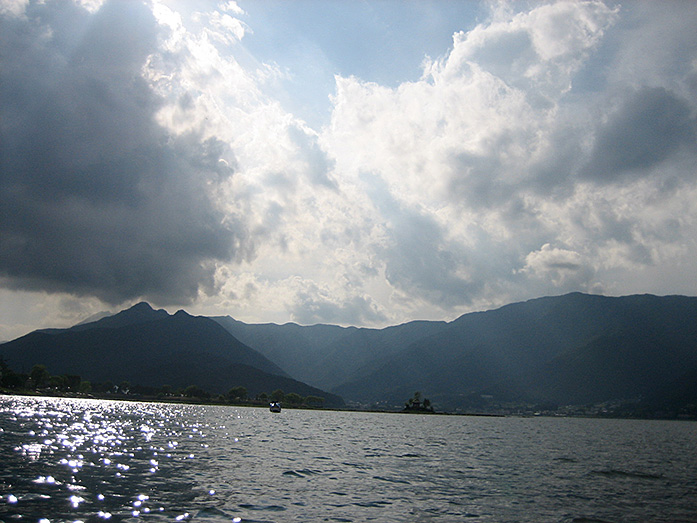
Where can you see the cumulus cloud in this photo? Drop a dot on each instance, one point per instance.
(563, 268)
(651, 125)
(501, 154)
(145, 153)
(313, 304)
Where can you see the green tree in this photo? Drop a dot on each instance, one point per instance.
(57, 382)
(39, 376)
(293, 399)
(194, 391)
(85, 387)
(314, 401)
(8, 378)
(416, 404)
(277, 395)
(72, 382)
(237, 393)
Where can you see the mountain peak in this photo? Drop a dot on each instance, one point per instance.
(139, 313)
(141, 306)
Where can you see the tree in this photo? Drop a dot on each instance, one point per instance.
(237, 393)
(314, 401)
(415, 404)
(57, 382)
(72, 381)
(293, 399)
(194, 391)
(277, 395)
(8, 378)
(39, 376)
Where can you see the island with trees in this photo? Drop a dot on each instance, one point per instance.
(416, 405)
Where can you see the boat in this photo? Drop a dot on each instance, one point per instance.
(275, 406)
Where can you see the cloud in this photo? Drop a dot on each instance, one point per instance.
(564, 268)
(312, 304)
(418, 257)
(97, 197)
(538, 51)
(495, 152)
(652, 125)
(148, 153)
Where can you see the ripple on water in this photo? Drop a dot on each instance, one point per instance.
(107, 461)
(265, 508)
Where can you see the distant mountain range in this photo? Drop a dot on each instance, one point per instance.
(571, 349)
(153, 348)
(574, 349)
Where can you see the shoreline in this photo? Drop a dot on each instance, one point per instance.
(201, 402)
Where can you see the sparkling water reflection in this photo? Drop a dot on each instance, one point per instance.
(66, 460)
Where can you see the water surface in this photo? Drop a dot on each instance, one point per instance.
(66, 460)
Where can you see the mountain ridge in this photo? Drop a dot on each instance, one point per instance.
(516, 349)
(152, 348)
(571, 349)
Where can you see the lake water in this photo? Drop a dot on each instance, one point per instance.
(66, 460)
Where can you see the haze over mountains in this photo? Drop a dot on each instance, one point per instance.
(574, 349)
(153, 348)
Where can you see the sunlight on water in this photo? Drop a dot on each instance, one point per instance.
(68, 460)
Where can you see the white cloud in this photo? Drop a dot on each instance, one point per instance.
(527, 160)
(555, 264)
(487, 148)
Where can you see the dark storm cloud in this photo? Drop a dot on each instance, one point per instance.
(96, 197)
(648, 128)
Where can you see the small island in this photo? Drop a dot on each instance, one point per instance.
(417, 405)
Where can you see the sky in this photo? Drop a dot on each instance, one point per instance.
(357, 163)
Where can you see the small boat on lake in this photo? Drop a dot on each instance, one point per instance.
(275, 406)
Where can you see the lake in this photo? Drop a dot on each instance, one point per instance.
(68, 460)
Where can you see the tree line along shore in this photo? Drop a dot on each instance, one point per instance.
(39, 381)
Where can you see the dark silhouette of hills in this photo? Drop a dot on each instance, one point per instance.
(139, 313)
(152, 348)
(575, 349)
(571, 349)
(327, 355)
(300, 351)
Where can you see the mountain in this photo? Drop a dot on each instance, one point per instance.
(139, 313)
(152, 348)
(327, 355)
(300, 350)
(570, 349)
(576, 349)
